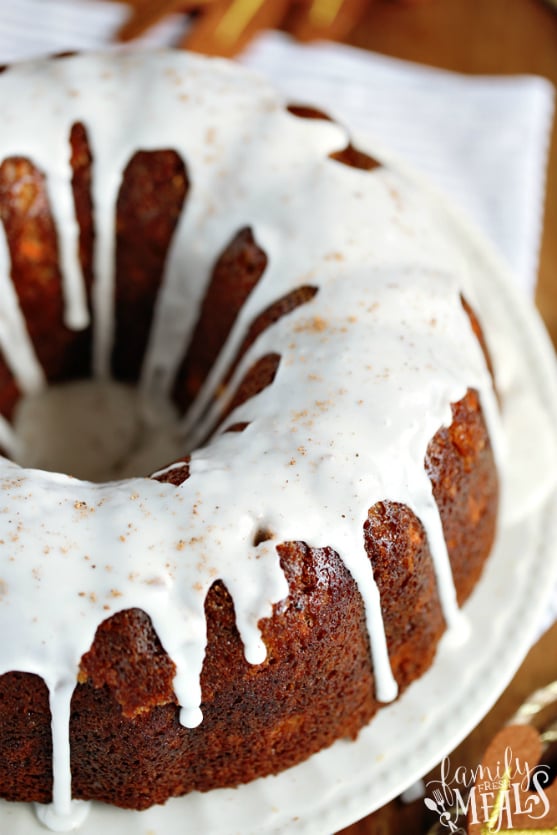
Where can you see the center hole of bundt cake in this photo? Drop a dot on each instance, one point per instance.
(93, 430)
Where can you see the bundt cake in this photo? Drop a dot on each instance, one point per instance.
(299, 317)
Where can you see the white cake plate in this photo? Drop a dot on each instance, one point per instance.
(351, 779)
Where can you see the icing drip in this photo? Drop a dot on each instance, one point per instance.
(63, 814)
(76, 315)
(14, 339)
(105, 193)
(368, 369)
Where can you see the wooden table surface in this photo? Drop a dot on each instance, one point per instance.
(477, 36)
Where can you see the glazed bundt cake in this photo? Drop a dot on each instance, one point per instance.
(299, 317)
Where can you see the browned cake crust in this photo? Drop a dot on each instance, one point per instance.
(316, 685)
(128, 747)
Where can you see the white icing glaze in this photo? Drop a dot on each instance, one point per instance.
(76, 315)
(14, 338)
(368, 370)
